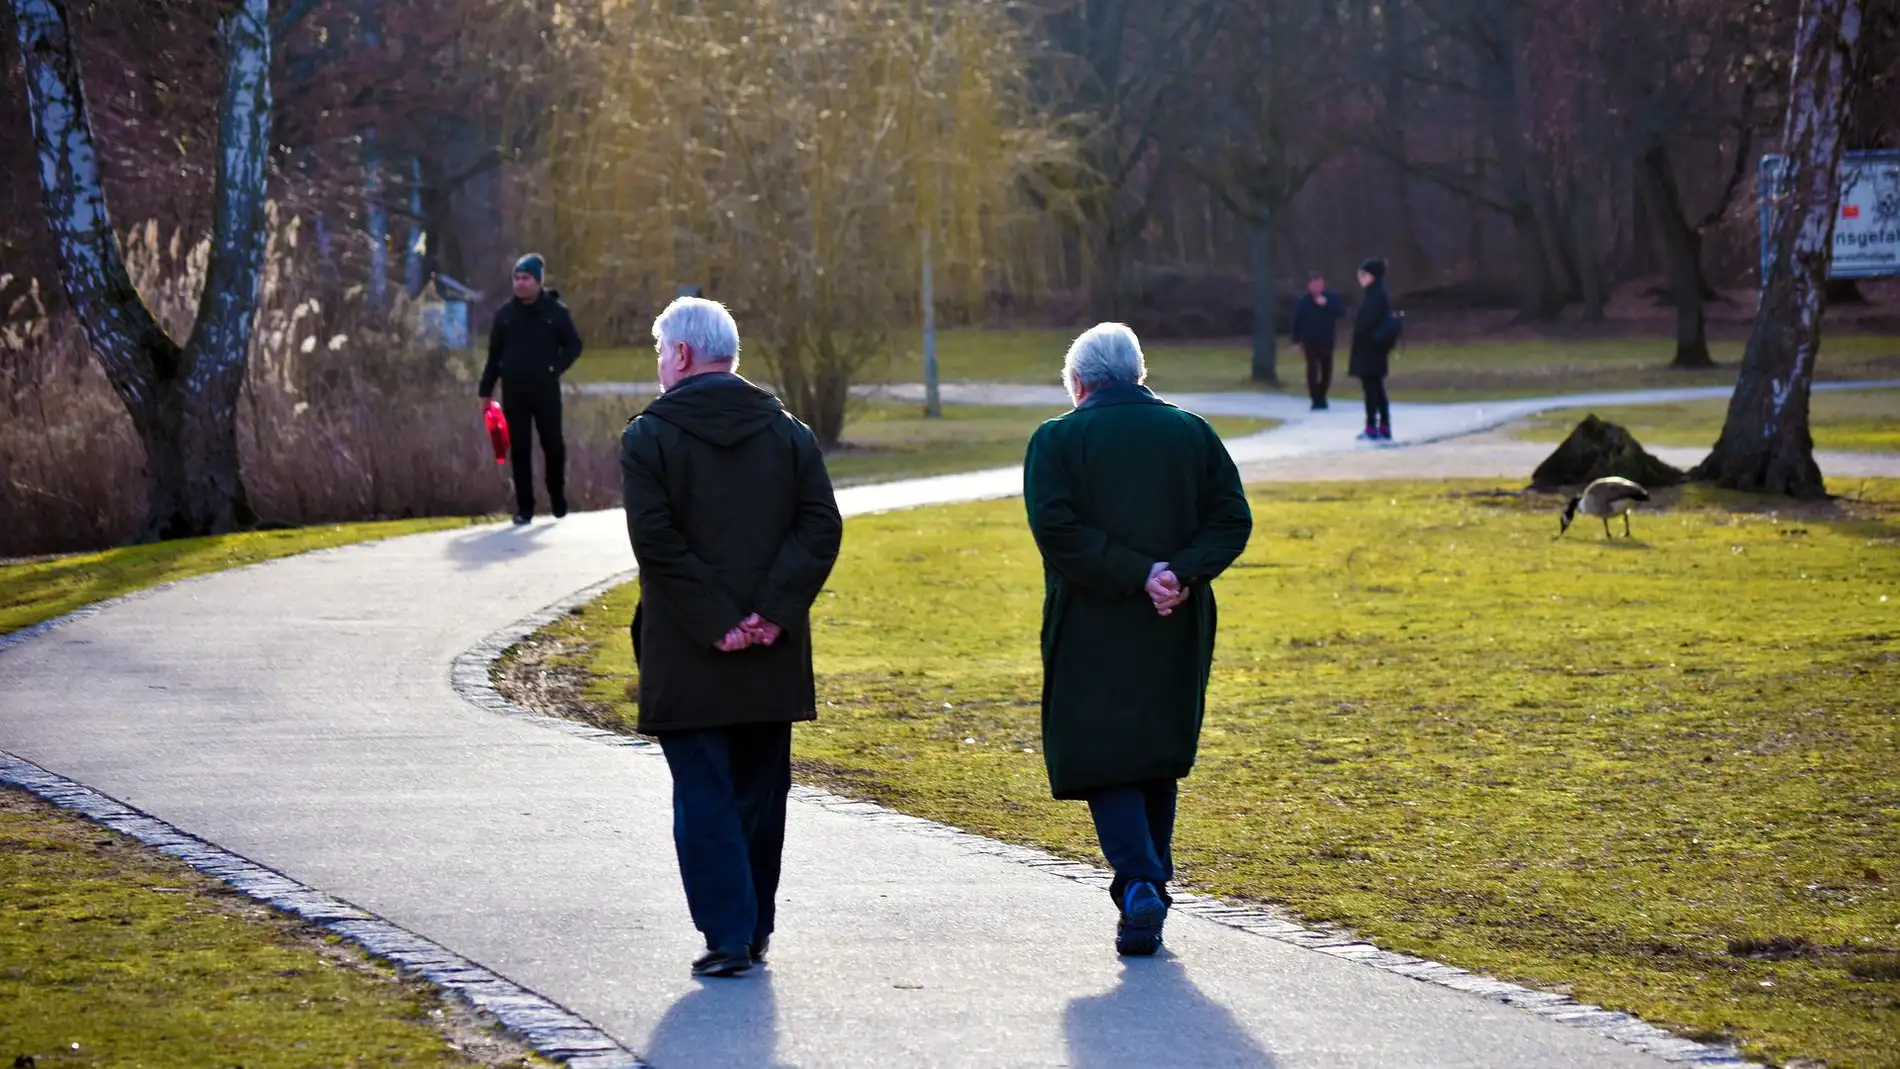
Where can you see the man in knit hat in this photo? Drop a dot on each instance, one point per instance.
(532, 343)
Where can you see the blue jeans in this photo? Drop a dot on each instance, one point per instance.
(1135, 825)
(729, 790)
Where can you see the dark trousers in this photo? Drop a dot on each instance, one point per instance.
(1378, 405)
(535, 408)
(1135, 825)
(1319, 370)
(729, 789)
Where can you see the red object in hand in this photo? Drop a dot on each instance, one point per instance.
(497, 431)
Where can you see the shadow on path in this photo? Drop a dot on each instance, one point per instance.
(721, 1025)
(496, 545)
(1157, 1017)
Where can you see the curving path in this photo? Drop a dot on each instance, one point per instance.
(302, 714)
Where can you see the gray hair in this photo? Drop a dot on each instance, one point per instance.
(705, 325)
(1105, 354)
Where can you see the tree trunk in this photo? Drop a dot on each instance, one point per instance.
(1265, 368)
(183, 402)
(1681, 246)
(1538, 297)
(1765, 444)
(1582, 215)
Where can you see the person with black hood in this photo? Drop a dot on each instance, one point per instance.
(733, 522)
(1374, 334)
(531, 345)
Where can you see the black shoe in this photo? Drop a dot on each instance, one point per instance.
(759, 948)
(560, 507)
(725, 961)
(1319, 406)
(1143, 913)
(522, 518)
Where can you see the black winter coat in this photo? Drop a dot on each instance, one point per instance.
(730, 511)
(1374, 333)
(1317, 324)
(530, 345)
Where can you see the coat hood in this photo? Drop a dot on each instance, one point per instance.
(721, 409)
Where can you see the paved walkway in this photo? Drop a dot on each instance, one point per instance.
(302, 714)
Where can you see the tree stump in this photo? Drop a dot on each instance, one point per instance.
(1596, 449)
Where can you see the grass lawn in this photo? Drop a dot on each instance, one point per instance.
(1862, 421)
(115, 955)
(885, 441)
(36, 590)
(1658, 774)
(1426, 371)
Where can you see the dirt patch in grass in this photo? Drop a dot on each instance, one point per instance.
(112, 954)
(1586, 765)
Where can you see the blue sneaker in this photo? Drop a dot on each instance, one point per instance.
(1143, 913)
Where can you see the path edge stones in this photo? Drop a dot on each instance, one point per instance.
(553, 1031)
(472, 678)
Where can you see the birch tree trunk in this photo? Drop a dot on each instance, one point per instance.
(182, 399)
(1765, 444)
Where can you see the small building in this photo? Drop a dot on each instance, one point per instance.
(442, 310)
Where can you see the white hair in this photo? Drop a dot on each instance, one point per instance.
(705, 325)
(1105, 354)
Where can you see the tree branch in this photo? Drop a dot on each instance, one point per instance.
(131, 346)
(1739, 172)
(295, 13)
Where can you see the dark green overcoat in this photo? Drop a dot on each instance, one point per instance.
(1120, 483)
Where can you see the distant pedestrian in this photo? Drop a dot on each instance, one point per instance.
(531, 345)
(1315, 331)
(1374, 333)
(1136, 508)
(733, 523)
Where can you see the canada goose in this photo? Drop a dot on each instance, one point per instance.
(1612, 496)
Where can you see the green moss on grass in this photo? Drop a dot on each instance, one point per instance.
(113, 955)
(1599, 766)
(1423, 371)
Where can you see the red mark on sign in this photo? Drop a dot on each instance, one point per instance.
(1850, 211)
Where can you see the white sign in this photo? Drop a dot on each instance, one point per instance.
(1867, 228)
(1866, 220)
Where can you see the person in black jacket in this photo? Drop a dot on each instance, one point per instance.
(1315, 330)
(1374, 334)
(531, 345)
(735, 528)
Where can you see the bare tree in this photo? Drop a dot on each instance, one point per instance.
(1271, 89)
(1130, 63)
(182, 398)
(1765, 444)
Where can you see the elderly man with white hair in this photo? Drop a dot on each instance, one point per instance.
(1137, 508)
(735, 528)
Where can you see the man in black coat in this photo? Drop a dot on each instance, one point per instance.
(735, 528)
(1374, 334)
(1315, 330)
(531, 345)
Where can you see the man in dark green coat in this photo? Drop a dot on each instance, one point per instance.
(735, 528)
(1137, 508)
